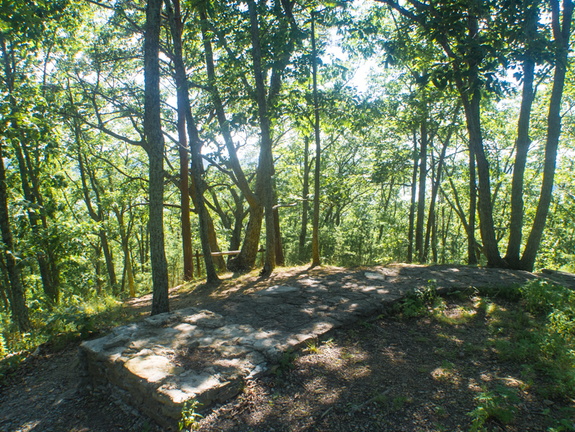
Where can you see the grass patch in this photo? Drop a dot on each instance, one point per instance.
(529, 328)
(539, 333)
(73, 320)
(419, 302)
(499, 406)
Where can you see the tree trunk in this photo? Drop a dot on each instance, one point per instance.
(486, 223)
(561, 34)
(45, 256)
(187, 252)
(97, 215)
(523, 142)
(124, 237)
(305, 202)
(48, 270)
(239, 215)
(217, 261)
(471, 241)
(278, 244)
(155, 147)
(246, 260)
(17, 297)
(264, 183)
(469, 88)
(109, 259)
(431, 230)
(411, 226)
(195, 142)
(240, 178)
(315, 258)
(279, 252)
(419, 247)
(242, 262)
(4, 285)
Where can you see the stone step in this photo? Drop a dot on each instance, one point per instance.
(167, 359)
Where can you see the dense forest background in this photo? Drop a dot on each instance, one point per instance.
(136, 135)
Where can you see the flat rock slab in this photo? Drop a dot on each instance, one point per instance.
(160, 363)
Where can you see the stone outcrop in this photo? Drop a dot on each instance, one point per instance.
(205, 355)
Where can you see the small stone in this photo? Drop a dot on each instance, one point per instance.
(374, 276)
(278, 289)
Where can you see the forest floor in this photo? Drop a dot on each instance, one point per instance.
(435, 372)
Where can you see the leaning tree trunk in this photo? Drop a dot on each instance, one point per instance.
(523, 142)
(239, 215)
(48, 269)
(248, 253)
(125, 241)
(469, 87)
(195, 143)
(486, 222)
(246, 259)
(561, 33)
(186, 228)
(96, 214)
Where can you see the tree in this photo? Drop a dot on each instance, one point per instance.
(155, 149)
(475, 51)
(185, 117)
(315, 260)
(25, 108)
(176, 25)
(17, 296)
(561, 26)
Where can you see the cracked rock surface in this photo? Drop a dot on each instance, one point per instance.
(207, 352)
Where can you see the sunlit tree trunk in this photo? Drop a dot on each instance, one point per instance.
(125, 241)
(96, 212)
(239, 216)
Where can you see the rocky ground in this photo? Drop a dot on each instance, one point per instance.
(383, 374)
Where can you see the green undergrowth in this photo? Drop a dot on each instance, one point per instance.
(530, 328)
(55, 328)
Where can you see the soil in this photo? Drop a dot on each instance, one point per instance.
(383, 374)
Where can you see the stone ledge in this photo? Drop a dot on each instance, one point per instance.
(165, 360)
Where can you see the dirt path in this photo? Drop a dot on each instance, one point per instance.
(44, 394)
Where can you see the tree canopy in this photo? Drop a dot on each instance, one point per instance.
(149, 142)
